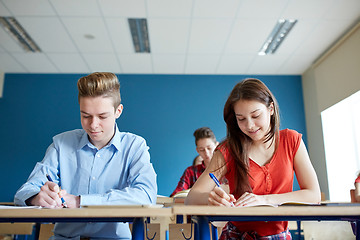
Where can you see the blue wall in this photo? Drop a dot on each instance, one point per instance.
(164, 109)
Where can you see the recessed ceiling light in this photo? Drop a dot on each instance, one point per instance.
(139, 34)
(13, 27)
(277, 36)
(89, 36)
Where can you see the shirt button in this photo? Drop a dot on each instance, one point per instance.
(93, 178)
(98, 155)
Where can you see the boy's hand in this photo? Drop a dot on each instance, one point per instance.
(72, 201)
(47, 197)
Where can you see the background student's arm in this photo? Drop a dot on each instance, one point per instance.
(205, 191)
(309, 187)
(183, 184)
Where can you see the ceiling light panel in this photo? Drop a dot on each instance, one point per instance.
(18, 33)
(277, 36)
(139, 34)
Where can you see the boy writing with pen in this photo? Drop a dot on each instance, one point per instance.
(95, 165)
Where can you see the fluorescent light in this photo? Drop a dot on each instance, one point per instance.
(277, 36)
(140, 34)
(14, 28)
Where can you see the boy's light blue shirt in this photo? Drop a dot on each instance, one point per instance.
(119, 173)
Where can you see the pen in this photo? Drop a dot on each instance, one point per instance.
(218, 184)
(62, 199)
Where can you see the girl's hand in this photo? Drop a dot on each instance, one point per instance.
(218, 197)
(250, 199)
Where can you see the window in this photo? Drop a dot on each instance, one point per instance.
(341, 129)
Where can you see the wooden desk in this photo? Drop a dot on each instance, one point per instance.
(202, 215)
(134, 214)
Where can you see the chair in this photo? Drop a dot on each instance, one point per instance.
(46, 231)
(16, 229)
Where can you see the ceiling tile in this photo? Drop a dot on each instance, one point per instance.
(248, 36)
(168, 64)
(322, 37)
(78, 8)
(136, 63)
(169, 35)
(202, 64)
(36, 62)
(215, 8)
(123, 8)
(29, 7)
(48, 33)
(268, 64)
(3, 10)
(120, 34)
(69, 63)
(102, 62)
(344, 9)
(296, 64)
(208, 36)
(308, 9)
(169, 8)
(261, 9)
(10, 64)
(80, 27)
(235, 64)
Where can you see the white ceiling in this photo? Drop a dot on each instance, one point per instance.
(186, 36)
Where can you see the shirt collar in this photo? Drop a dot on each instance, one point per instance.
(115, 141)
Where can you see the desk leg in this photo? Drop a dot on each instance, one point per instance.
(202, 230)
(164, 226)
(357, 229)
(138, 229)
(214, 232)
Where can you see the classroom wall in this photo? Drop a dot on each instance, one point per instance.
(329, 80)
(164, 109)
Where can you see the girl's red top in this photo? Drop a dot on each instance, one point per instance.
(272, 178)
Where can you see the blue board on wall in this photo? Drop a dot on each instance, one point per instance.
(164, 109)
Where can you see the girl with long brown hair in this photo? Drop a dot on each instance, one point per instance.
(258, 160)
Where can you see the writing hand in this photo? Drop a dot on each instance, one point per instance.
(47, 197)
(218, 197)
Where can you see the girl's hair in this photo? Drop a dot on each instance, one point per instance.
(238, 142)
(104, 84)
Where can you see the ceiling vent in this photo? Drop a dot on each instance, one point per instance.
(139, 34)
(277, 36)
(13, 27)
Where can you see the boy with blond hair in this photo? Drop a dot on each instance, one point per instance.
(95, 165)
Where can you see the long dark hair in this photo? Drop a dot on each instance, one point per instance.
(238, 142)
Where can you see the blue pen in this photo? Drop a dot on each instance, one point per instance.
(62, 199)
(218, 184)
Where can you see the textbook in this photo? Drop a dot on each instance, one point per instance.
(286, 203)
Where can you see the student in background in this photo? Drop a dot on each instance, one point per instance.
(206, 143)
(258, 161)
(95, 165)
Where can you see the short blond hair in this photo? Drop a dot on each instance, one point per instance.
(103, 84)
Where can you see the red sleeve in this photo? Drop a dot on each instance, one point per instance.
(184, 182)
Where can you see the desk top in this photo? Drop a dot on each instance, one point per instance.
(321, 210)
(93, 212)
